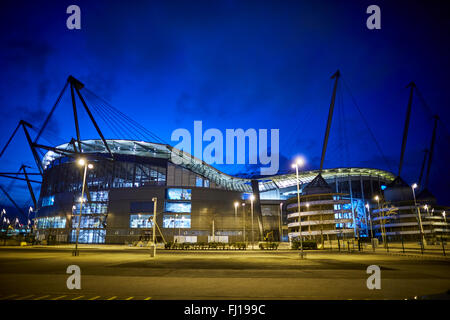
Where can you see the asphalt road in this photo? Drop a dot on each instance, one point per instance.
(130, 274)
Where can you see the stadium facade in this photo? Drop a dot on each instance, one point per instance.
(195, 201)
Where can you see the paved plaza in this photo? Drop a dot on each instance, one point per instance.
(124, 273)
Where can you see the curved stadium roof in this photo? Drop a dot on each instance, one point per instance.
(156, 150)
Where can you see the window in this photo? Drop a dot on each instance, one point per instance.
(90, 208)
(51, 222)
(178, 207)
(177, 221)
(178, 194)
(48, 201)
(87, 222)
(88, 236)
(141, 221)
(198, 182)
(141, 207)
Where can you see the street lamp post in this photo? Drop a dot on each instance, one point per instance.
(243, 222)
(422, 237)
(4, 218)
(236, 205)
(299, 162)
(383, 228)
(83, 163)
(153, 246)
(252, 198)
(213, 232)
(370, 220)
(280, 222)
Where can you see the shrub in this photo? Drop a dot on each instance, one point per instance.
(168, 245)
(239, 245)
(307, 245)
(268, 245)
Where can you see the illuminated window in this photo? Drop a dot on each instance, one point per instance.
(88, 236)
(90, 208)
(87, 222)
(51, 222)
(48, 201)
(174, 221)
(178, 207)
(178, 194)
(141, 221)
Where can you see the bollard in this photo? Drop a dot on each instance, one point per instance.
(152, 250)
(443, 247)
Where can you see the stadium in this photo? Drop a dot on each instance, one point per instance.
(112, 191)
(195, 201)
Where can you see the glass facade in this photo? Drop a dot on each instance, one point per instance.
(88, 222)
(51, 222)
(88, 236)
(93, 218)
(90, 208)
(64, 175)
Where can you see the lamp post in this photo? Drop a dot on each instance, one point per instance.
(370, 220)
(280, 222)
(422, 237)
(236, 205)
(252, 198)
(153, 246)
(299, 162)
(383, 228)
(30, 209)
(243, 221)
(213, 232)
(83, 163)
(175, 225)
(4, 218)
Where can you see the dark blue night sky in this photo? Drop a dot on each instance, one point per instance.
(236, 64)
